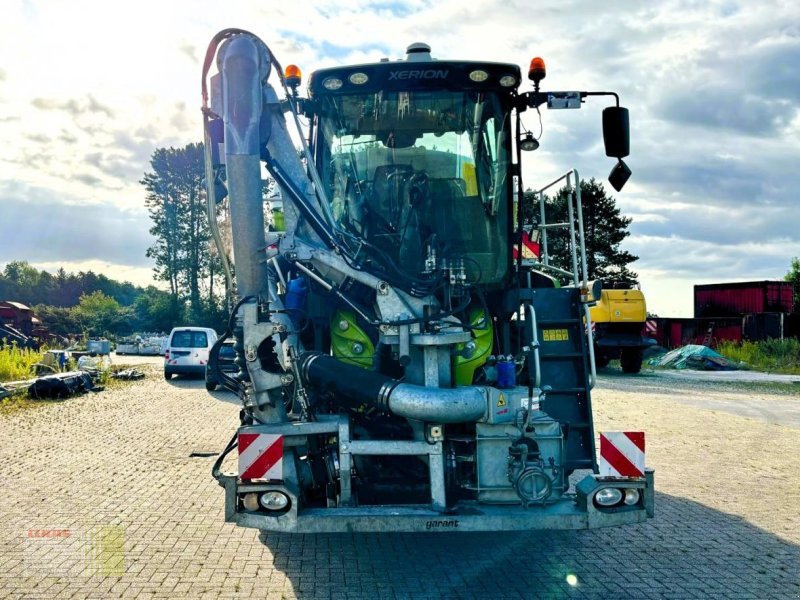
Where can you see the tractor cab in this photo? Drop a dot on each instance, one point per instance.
(416, 157)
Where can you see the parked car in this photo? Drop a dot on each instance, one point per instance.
(223, 362)
(187, 351)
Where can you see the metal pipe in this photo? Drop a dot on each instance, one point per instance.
(535, 345)
(581, 234)
(571, 217)
(247, 220)
(590, 341)
(437, 405)
(552, 183)
(545, 253)
(244, 64)
(354, 386)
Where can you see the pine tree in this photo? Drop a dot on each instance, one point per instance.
(604, 227)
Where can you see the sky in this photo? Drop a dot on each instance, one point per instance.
(89, 89)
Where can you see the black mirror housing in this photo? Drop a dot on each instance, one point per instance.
(616, 131)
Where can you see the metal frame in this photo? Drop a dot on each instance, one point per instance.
(580, 279)
(571, 512)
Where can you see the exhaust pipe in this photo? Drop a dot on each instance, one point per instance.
(355, 386)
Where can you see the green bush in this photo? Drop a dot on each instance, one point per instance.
(781, 356)
(17, 363)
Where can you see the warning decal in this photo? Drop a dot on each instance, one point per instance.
(260, 456)
(622, 454)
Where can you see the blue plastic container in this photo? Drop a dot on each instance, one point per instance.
(506, 374)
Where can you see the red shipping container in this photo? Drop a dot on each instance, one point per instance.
(737, 299)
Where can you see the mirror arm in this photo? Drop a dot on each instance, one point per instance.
(616, 96)
(534, 99)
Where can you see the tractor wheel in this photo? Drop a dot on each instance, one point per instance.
(600, 359)
(631, 360)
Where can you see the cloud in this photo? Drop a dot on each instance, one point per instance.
(67, 137)
(39, 227)
(76, 107)
(190, 51)
(89, 180)
(142, 276)
(39, 138)
(713, 88)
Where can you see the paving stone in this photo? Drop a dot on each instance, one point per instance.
(115, 466)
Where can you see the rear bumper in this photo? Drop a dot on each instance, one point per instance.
(612, 340)
(185, 369)
(573, 512)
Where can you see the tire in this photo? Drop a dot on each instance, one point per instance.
(167, 375)
(211, 386)
(631, 360)
(600, 359)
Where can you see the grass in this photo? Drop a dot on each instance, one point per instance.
(17, 363)
(773, 355)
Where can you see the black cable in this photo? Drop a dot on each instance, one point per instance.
(233, 443)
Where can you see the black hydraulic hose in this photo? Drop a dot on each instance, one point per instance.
(319, 226)
(218, 463)
(353, 386)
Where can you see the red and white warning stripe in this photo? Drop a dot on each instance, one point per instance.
(651, 328)
(621, 454)
(260, 456)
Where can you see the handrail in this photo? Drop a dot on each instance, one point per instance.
(535, 346)
(580, 277)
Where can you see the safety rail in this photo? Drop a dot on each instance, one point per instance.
(577, 241)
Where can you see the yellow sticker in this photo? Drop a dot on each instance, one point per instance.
(501, 401)
(555, 335)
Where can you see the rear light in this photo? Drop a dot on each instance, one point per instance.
(166, 354)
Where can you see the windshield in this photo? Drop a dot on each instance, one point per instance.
(189, 339)
(421, 176)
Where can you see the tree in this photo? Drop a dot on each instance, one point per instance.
(157, 310)
(793, 276)
(604, 227)
(176, 201)
(99, 314)
(58, 320)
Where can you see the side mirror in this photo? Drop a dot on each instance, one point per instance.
(616, 131)
(617, 138)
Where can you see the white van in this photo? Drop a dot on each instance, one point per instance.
(187, 351)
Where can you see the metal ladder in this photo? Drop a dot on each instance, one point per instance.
(577, 242)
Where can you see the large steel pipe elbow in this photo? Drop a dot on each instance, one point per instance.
(245, 64)
(437, 405)
(353, 386)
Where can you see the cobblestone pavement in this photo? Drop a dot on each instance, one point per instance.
(101, 498)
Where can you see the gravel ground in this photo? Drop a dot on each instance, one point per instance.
(102, 499)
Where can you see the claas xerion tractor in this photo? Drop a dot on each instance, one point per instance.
(399, 370)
